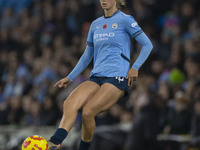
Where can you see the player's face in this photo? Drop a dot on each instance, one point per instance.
(108, 4)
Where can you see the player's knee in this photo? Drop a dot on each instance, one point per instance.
(87, 114)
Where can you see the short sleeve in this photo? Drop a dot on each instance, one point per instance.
(132, 27)
(90, 37)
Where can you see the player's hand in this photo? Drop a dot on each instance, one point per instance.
(132, 76)
(63, 83)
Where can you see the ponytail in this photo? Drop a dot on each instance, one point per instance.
(120, 3)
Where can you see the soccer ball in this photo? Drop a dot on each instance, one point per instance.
(35, 142)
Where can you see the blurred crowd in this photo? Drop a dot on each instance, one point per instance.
(42, 40)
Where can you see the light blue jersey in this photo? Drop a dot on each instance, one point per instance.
(109, 42)
(111, 38)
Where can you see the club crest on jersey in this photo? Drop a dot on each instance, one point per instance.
(115, 25)
(104, 26)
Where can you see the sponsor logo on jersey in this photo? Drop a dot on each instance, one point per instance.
(104, 26)
(103, 36)
(111, 34)
(134, 24)
(115, 25)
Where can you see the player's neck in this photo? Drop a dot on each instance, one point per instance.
(110, 12)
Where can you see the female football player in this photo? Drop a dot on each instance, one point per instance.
(108, 43)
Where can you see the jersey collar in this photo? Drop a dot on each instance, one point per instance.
(112, 14)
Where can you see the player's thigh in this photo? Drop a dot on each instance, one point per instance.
(103, 99)
(81, 94)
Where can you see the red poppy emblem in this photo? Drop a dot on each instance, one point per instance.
(104, 26)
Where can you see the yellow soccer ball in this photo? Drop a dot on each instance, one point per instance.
(35, 142)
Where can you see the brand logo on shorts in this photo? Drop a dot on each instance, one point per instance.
(120, 79)
(115, 25)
